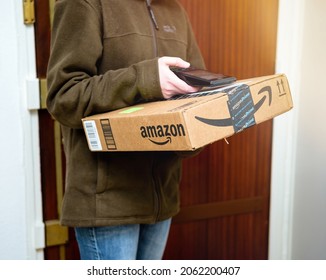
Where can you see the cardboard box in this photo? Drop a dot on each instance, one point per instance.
(182, 124)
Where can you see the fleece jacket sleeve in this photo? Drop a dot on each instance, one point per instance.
(75, 87)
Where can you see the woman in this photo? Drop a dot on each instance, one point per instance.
(105, 55)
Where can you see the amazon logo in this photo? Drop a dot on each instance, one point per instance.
(242, 108)
(162, 134)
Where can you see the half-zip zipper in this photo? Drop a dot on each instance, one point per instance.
(151, 13)
(154, 26)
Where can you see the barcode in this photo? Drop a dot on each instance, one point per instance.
(108, 134)
(92, 136)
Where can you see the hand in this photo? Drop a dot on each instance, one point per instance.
(170, 83)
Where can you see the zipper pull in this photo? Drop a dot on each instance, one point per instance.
(151, 13)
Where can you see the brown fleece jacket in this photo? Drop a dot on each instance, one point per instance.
(104, 57)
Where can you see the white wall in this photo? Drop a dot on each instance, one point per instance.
(298, 208)
(21, 226)
(309, 223)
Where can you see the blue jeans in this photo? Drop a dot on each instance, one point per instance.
(125, 242)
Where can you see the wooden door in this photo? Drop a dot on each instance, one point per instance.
(225, 190)
(60, 241)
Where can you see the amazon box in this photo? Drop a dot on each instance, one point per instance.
(191, 121)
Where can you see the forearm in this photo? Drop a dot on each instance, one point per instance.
(82, 95)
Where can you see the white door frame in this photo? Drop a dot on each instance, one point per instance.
(289, 49)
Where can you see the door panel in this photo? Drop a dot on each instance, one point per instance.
(60, 241)
(224, 190)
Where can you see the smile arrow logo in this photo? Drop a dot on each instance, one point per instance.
(168, 139)
(230, 121)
